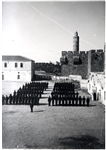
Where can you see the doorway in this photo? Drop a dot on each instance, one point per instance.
(94, 96)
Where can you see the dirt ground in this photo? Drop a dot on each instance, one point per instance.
(53, 127)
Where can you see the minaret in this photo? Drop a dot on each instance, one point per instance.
(76, 42)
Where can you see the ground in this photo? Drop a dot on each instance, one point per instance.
(53, 127)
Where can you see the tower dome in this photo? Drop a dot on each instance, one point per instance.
(76, 34)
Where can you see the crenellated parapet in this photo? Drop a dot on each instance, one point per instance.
(100, 51)
(64, 53)
(64, 60)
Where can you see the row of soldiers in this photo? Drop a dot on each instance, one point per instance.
(64, 94)
(63, 87)
(30, 93)
(68, 101)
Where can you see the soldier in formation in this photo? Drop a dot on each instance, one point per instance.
(64, 94)
(30, 92)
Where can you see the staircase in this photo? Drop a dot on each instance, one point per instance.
(44, 98)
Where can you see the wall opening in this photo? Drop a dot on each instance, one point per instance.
(94, 96)
(77, 60)
(16, 65)
(21, 65)
(5, 64)
(2, 76)
(18, 77)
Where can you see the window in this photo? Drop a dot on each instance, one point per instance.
(21, 65)
(77, 60)
(5, 64)
(2, 77)
(16, 65)
(18, 77)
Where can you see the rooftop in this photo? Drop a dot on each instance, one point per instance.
(15, 58)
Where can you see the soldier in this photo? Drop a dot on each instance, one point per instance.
(88, 100)
(59, 100)
(66, 99)
(49, 101)
(31, 106)
(76, 98)
(80, 100)
(69, 99)
(63, 100)
(16, 100)
(53, 101)
(10, 97)
(56, 99)
(83, 100)
(3, 99)
(72, 99)
(37, 100)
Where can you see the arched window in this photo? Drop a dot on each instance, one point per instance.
(77, 61)
(16, 65)
(18, 77)
(21, 65)
(2, 76)
(5, 64)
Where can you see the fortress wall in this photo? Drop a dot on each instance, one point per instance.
(97, 61)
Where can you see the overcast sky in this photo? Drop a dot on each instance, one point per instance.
(41, 30)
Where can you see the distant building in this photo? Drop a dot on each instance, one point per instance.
(17, 68)
(96, 86)
(42, 75)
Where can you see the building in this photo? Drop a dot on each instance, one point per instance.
(96, 86)
(81, 62)
(17, 68)
(97, 83)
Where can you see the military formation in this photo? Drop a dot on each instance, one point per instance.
(64, 94)
(30, 93)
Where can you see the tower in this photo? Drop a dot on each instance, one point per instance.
(76, 42)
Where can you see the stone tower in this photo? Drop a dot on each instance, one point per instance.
(76, 42)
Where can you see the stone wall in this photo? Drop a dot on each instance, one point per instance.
(82, 63)
(80, 68)
(97, 61)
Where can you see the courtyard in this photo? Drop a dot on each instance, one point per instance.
(53, 127)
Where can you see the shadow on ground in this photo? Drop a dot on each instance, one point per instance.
(42, 104)
(31, 146)
(82, 142)
(39, 111)
(10, 112)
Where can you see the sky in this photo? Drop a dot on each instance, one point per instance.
(42, 30)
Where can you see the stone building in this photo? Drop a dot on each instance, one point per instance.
(97, 83)
(17, 68)
(96, 86)
(81, 62)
